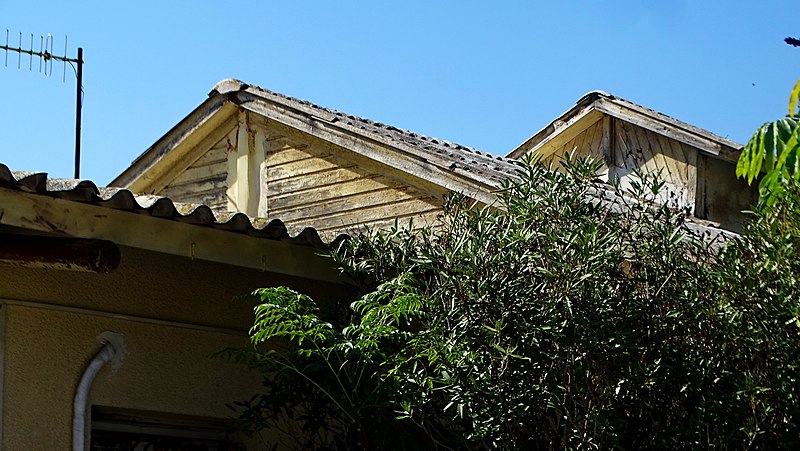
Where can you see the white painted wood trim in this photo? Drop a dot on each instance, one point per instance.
(670, 131)
(259, 178)
(242, 164)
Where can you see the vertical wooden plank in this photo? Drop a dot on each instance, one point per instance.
(638, 145)
(687, 159)
(655, 158)
(579, 144)
(592, 141)
(623, 145)
(620, 144)
(605, 140)
(611, 152)
(232, 176)
(252, 180)
(676, 166)
(602, 150)
(700, 191)
(260, 179)
(597, 141)
(242, 163)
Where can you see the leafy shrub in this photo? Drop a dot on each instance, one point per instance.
(565, 317)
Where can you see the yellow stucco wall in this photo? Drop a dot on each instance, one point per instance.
(168, 368)
(153, 284)
(165, 369)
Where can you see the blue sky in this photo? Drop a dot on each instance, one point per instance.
(482, 74)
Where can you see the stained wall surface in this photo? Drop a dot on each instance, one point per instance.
(173, 313)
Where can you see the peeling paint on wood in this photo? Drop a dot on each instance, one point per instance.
(266, 169)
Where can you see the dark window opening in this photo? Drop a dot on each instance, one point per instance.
(129, 430)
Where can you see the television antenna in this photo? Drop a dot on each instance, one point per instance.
(45, 56)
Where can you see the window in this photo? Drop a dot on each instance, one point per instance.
(130, 430)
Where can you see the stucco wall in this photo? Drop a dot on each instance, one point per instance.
(165, 370)
(50, 336)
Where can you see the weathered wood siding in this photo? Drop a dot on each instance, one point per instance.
(721, 197)
(625, 148)
(204, 181)
(635, 148)
(316, 184)
(303, 181)
(587, 142)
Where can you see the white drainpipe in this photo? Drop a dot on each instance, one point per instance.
(113, 351)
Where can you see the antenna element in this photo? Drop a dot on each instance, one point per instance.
(46, 57)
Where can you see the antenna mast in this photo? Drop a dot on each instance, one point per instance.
(45, 55)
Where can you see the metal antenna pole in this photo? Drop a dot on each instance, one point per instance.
(45, 56)
(78, 105)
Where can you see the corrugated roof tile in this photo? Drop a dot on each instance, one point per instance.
(85, 191)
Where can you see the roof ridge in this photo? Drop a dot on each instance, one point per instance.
(225, 84)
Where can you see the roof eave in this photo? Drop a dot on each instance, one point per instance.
(52, 215)
(610, 105)
(448, 174)
(136, 176)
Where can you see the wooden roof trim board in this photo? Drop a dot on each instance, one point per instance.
(169, 150)
(580, 116)
(80, 209)
(427, 169)
(451, 166)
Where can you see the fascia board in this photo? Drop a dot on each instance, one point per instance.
(394, 156)
(148, 167)
(81, 220)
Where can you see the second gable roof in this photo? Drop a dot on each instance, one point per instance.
(592, 106)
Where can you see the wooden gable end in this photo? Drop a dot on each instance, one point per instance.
(634, 148)
(267, 169)
(626, 148)
(311, 183)
(702, 184)
(205, 180)
(592, 141)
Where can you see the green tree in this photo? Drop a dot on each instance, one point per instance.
(774, 149)
(568, 316)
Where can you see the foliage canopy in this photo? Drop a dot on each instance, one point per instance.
(775, 149)
(558, 320)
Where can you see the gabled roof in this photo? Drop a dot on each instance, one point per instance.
(79, 208)
(194, 230)
(591, 107)
(452, 166)
(449, 165)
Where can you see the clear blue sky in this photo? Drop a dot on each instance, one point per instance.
(482, 74)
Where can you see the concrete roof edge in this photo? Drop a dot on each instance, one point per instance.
(228, 86)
